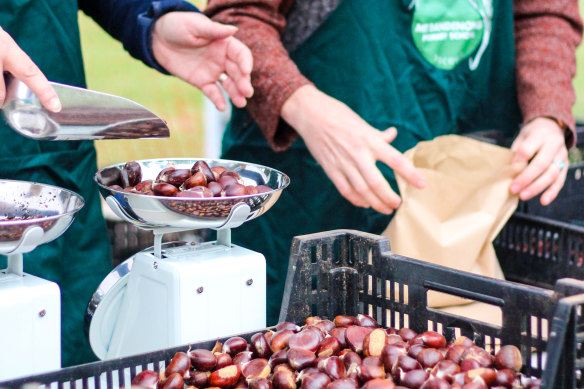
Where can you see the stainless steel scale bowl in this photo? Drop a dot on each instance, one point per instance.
(31, 214)
(150, 212)
(24, 205)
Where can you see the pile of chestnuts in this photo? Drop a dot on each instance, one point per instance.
(200, 181)
(349, 352)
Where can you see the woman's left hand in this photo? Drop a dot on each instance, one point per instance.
(202, 52)
(540, 144)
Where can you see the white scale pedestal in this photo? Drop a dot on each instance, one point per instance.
(177, 294)
(30, 316)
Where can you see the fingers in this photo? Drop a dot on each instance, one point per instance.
(402, 166)
(554, 189)
(213, 92)
(374, 188)
(540, 144)
(240, 54)
(15, 61)
(236, 97)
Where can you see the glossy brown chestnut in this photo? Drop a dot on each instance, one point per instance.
(146, 379)
(456, 353)
(407, 334)
(379, 383)
(234, 345)
(435, 383)
(351, 358)
(173, 381)
(202, 360)
(339, 333)
(429, 357)
(256, 368)
(325, 325)
(445, 369)
(328, 347)
(131, 173)
(311, 320)
(355, 336)
(197, 179)
(371, 368)
(234, 190)
(164, 189)
(225, 376)
(283, 380)
(390, 354)
(199, 379)
(433, 339)
(487, 375)
(508, 357)
(180, 363)
(343, 383)
(280, 340)
(374, 342)
(203, 168)
(223, 359)
(217, 170)
(299, 358)
(344, 321)
(316, 380)
(110, 176)
(505, 378)
(259, 346)
(287, 325)
(242, 358)
(306, 339)
(259, 383)
(334, 367)
(366, 321)
(414, 379)
(215, 188)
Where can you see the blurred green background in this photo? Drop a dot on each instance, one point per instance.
(110, 69)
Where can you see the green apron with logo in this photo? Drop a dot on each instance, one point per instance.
(48, 32)
(428, 67)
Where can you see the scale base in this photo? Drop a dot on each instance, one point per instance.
(30, 312)
(192, 293)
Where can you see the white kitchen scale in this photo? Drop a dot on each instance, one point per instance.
(179, 293)
(30, 307)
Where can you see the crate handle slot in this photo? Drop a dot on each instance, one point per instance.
(438, 287)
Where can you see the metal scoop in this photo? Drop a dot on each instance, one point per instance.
(86, 114)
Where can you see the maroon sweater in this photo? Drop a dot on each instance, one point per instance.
(547, 33)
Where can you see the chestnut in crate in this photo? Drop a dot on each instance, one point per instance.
(311, 357)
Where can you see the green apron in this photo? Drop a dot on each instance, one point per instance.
(48, 32)
(365, 55)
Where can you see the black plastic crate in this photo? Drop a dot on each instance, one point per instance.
(347, 272)
(538, 251)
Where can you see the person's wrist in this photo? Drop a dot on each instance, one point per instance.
(297, 107)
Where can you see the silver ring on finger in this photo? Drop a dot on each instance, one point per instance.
(559, 163)
(223, 77)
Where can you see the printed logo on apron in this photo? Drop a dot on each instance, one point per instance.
(448, 31)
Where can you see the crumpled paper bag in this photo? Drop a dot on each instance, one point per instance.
(455, 218)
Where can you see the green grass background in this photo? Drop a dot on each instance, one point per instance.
(110, 69)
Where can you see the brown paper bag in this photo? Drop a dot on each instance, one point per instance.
(455, 218)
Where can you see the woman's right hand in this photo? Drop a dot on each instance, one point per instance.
(348, 148)
(16, 62)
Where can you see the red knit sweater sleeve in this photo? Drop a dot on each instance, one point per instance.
(547, 33)
(274, 77)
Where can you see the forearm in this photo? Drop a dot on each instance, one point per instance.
(275, 77)
(546, 36)
(131, 22)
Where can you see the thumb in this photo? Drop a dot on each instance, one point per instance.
(205, 28)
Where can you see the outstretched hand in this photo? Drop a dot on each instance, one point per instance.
(348, 148)
(541, 144)
(16, 62)
(194, 48)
